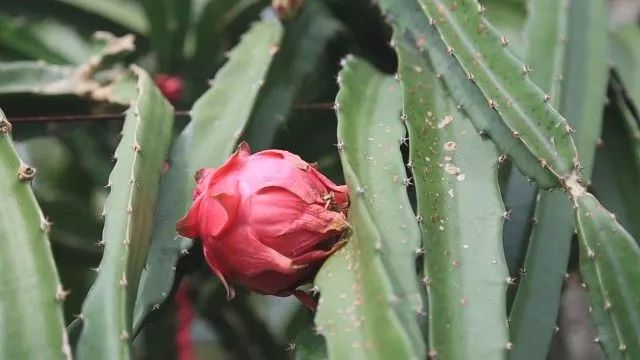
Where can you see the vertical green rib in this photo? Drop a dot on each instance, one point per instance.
(369, 290)
(31, 319)
(455, 171)
(108, 309)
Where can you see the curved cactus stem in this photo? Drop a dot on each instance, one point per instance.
(217, 121)
(129, 209)
(504, 80)
(609, 259)
(575, 33)
(31, 318)
(407, 14)
(455, 169)
(369, 290)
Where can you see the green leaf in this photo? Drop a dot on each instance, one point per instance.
(609, 259)
(369, 290)
(211, 24)
(31, 318)
(129, 209)
(626, 56)
(40, 40)
(305, 41)
(126, 13)
(40, 78)
(617, 166)
(455, 170)
(168, 21)
(217, 121)
(31, 77)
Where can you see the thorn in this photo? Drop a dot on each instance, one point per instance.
(596, 340)
(404, 140)
(507, 214)
(590, 253)
(504, 40)
(433, 354)
(314, 290)
(432, 22)
(124, 335)
(492, 104)
(481, 9)
(184, 252)
(100, 243)
(471, 78)
(409, 164)
(543, 163)
(547, 97)
(61, 293)
(515, 134)
(136, 147)
(361, 189)
(607, 305)
(155, 307)
(419, 251)
(510, 281)
(123, 281)
(336, 106)
(426, 280)
(450, 50)
(556, 329)
(291, 346)
(622, 347)
(508, 345)
(407, 182)
(340, 145)
(419, 218)
(503, 158)
(526, 69)
(45, 225)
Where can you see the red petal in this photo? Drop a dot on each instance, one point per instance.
(188, 225)
(217, 269)
(340, 191)
(286, 223)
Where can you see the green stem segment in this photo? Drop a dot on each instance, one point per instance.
(455, 171)
(31, 317)
(369, 290)
(129, 210)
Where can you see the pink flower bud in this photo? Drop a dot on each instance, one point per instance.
(170, 86)
(267, 221)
